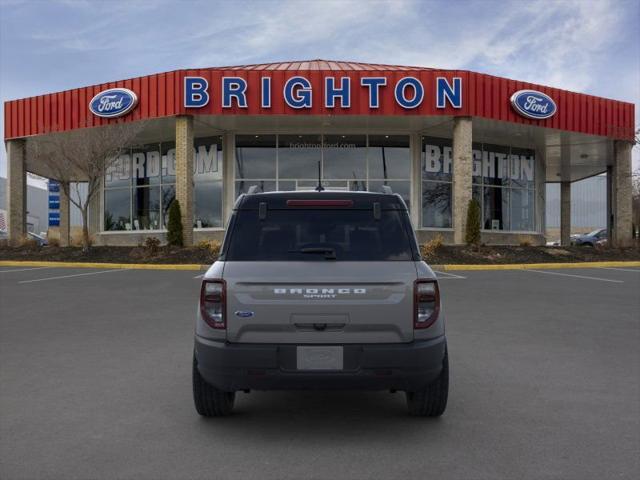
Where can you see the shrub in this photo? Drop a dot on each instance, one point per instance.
(54, 242)
(429, 248)
(75, 238)
(212, 246)
(152, 245)
(174, 227)
(472, 233)
(28, 243)
(524, 241)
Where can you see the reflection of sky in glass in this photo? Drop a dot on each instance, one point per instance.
(298, 155)
(255, 156)
(117, 203)
(345, 156)
(389, 156)
(208, 205)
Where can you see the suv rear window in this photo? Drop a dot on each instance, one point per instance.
(314, 234)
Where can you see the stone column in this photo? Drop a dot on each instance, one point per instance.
(462, 175)
(184, 174)
(416, 179)
(228, 172)
(620, 234)
(565, 213)
(16, 191)
(65, 215)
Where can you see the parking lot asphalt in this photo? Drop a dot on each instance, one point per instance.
(95, 383)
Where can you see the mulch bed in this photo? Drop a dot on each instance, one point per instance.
(451, 255)
(445, 254)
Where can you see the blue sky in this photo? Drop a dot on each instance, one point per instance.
(583, 45)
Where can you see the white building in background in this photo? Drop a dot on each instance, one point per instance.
(37, 207)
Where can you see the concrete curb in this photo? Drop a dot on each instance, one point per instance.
(193, 266)
(132, 266)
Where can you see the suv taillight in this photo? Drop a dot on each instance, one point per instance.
(426, 303)
(213, 303)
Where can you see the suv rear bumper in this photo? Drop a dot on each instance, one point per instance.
(403, 366)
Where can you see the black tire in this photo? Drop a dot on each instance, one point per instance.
(432, 401)
(209, 401)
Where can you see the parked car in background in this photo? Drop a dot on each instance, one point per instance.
(40, 239)
(590, 239)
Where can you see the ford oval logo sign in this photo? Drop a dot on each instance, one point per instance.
(114, 102)
(533, 104)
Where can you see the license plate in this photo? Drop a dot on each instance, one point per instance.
(319, 358)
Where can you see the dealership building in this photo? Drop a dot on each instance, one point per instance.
(437, 137)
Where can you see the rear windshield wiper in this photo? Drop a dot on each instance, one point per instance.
(329, 253)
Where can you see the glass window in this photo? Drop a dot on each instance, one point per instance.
(496, 210)
(298, 156)
(321, 235)
(437, 163)
(207, 160)
(168, 162)
(436, 204)
(242, 186)
(522, 167)
(153, 169)
(208, 205)
(146, 208)
(402, 187)
(118, 174)
(255, 156)
(117, 205)
(477, 154)
(522, 210)
(476, 194)
(286, 185)
(495, 165)
(344, 156)
(168, 195)
(389, 156)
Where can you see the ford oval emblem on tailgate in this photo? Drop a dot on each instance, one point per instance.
(244, 314)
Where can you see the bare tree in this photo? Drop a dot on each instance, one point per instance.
(85, 156)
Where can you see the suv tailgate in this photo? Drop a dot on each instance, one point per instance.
(320, 302)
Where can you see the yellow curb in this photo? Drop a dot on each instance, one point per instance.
(525, 266)
(132, 266)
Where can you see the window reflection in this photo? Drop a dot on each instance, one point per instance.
(389, 156)
(148, 173)
(255, 156)
(344, 156)
(298, 156)
(117, 213)
(146, 208)
(436, 204)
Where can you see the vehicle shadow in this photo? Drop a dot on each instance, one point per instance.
(351, 415)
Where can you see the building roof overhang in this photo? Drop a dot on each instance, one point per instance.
(162, 95)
